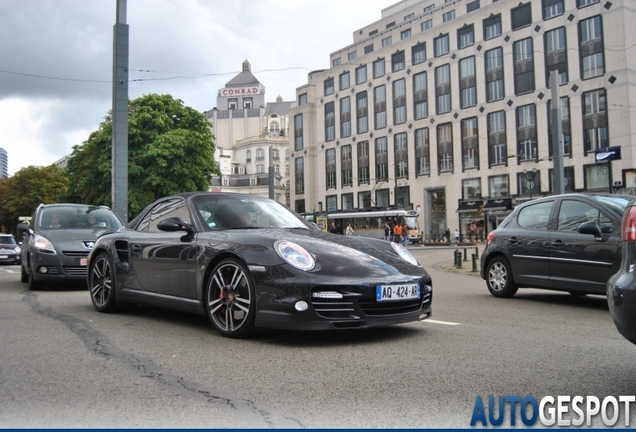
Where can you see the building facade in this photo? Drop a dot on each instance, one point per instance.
(4, 163)
(444, 107)
(250, 136)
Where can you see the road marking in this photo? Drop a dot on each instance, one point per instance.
(442, 322)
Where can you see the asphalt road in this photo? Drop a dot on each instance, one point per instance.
(64, 365)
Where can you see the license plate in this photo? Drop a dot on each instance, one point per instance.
(397, 292)
(4, 256)
(83, 261)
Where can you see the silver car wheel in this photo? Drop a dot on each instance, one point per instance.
(497, 276)
(101, 282)
(229, 299)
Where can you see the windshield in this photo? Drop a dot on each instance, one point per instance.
(77, 216)
(218, 212)
(7, 240)
(618, 203)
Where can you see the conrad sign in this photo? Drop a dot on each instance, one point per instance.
(240, 91)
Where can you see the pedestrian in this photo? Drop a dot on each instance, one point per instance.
(405, 233)
(387, 231)
(456, 236)
(397, 233)
(349, 230)
(447, 237)
(333, 229)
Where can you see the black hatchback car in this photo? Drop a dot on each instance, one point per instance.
(567, 242)
(621, 288)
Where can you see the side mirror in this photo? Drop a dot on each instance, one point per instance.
(592, 228)
(173, 224)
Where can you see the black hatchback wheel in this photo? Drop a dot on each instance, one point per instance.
(101, 284)
(230, 299)
(499, 278)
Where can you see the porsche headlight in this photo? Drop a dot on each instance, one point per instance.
(295, 255)
(43, 244)
(402, 251)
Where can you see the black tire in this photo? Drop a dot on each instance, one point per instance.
(24, 276)
(33, 284)
(101, 283)
(230, 300)
(499, 278)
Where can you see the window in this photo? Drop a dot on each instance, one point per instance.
(363, 162)
(332, 202)
(361, 74)
(364, 199)
(330, 122)
(387, 41)
(352, 56)
(344, 81)
(232, 104)
(248, 157)
(328, 86)
(448, 16)
(418, 53)
(526, 133)
(583, 3)
(595, 134)
(381, 160)
(529, 187)
(336, 62)
(429, 8)
(497, 151)
(405, 34)
(362, 111)
(409, 16)
(330, 163)
(401, 155)
(399, 101)
(422, 153)
(428, 24)
(346, 166)
(247, 103)
(347, 201)
(524, 66)
(260, 155)
(379, 107)
(298, 132)
(441, 45)
(498, 186)
(397, 61)
(391, 24)
(494, 75)
(467, 82)
(300, 206)
(465, 37)
(471, 189)
(552, 8)
(378, 68)
(274, 129)
(445, 148)
(568, 179)
(536, 216)
(492, 27)
(470, 144)
(382, 197)
(521, 16)
(442, 89)
(345, 117)
(300, 175)
(368, 49)
(565, 126)
(591, 49)
(556, 55)
(420, 96)
(474, 5)
(302, 99)
(573, 213)
(596, 176)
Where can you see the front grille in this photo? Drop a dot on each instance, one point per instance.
(76, 253)
(75, 270)
(390, 307)
(334, 308)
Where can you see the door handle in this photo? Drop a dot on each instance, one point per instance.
(513, 240)
(556, 243)
(136, 248)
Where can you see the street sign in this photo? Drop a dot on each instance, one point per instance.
(607, 154)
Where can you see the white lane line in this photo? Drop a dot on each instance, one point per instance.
(441, 322)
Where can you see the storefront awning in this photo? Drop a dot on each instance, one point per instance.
(469, 206)
(495, 204)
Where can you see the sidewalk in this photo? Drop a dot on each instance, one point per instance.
(467, 266)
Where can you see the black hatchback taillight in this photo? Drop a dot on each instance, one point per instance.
(628, 228)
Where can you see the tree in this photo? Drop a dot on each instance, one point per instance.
(28, 188)
(170, 150)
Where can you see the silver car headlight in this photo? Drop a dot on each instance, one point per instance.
(43, 244)
(17, 249)
(403, 252)
(295, 255)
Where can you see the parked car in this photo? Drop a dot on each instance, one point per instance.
(567, 242)
(248, 262)
(9, 249)
(58, 239)
(621, 287)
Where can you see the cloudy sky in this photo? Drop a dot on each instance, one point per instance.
(56, 58)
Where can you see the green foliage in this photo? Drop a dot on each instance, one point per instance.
(28, 188)
(170, 150)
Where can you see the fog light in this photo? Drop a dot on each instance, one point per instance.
(301, 306)
(43, 269)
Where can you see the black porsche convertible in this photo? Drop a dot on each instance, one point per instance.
(248, 262)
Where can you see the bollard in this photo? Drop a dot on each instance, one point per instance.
(459, 259)
(476, 252)
(474, 262)
(465, 255)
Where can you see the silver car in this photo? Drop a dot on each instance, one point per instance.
(58, 239)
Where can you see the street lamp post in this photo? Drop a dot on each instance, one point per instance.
(529, 175)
